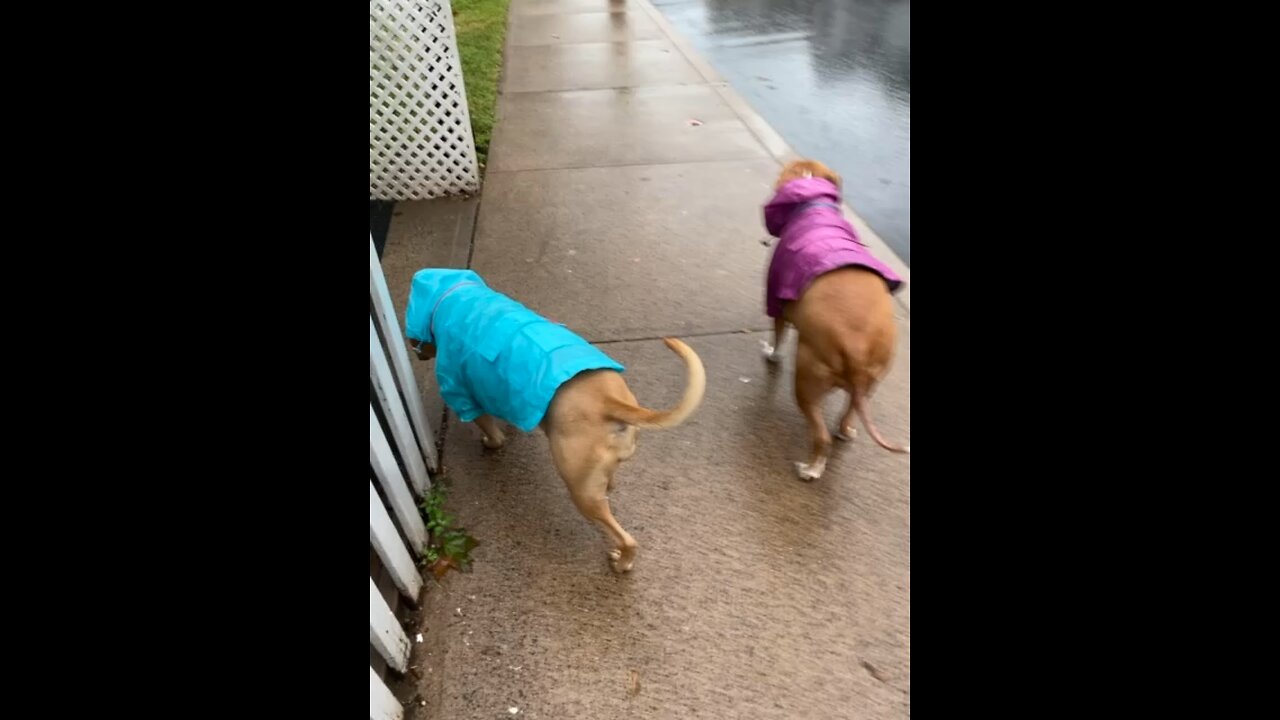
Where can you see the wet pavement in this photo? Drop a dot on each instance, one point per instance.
(833, 77)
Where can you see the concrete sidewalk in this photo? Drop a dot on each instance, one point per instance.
(754, 595)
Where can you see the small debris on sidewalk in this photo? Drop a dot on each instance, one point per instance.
(513, 710)
(695, 122)
(418, 637)
(745, 379)
(633, 684)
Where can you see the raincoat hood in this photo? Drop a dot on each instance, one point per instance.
(792, 195)
(429, 287)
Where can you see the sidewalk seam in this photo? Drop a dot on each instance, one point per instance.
(609, 87)
(707, 334)
(752, 158)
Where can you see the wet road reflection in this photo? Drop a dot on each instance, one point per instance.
(834, 77)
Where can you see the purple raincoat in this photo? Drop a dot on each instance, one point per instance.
(815, 238)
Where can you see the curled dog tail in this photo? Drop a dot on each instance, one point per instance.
(695, 387)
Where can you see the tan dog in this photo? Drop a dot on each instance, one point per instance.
(843, 316)
(591, 425)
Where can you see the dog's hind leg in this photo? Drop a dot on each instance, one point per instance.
(588, 474)
(847, 431)
(623, 556)
(593, 503)
(772, 352)
(810, 389)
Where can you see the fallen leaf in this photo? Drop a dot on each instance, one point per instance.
(441, 566)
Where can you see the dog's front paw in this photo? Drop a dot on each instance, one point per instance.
(846, 433)
(493, 443)
(810, 472)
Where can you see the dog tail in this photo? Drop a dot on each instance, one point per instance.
(860, 405)
(695, 387)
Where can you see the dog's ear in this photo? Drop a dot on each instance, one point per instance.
(826, 173)
(794, 170)
(805, 169)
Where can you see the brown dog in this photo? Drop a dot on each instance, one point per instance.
(823, 282)
(591, 424)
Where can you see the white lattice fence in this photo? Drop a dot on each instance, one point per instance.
(420, 141)
(396, 531)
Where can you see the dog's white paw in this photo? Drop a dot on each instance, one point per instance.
(846, 434)
(616, 562)
(770, 352)
(809, 472)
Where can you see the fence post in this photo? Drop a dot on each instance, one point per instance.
(393, 409)
(392, 482)
(393, 340)
(385, 539)
(382, 704)
(385, 633)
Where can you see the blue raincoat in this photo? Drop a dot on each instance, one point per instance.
(494, 356)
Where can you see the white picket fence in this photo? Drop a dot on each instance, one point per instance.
(396, 532)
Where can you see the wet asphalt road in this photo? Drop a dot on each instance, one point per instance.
(833, 77)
